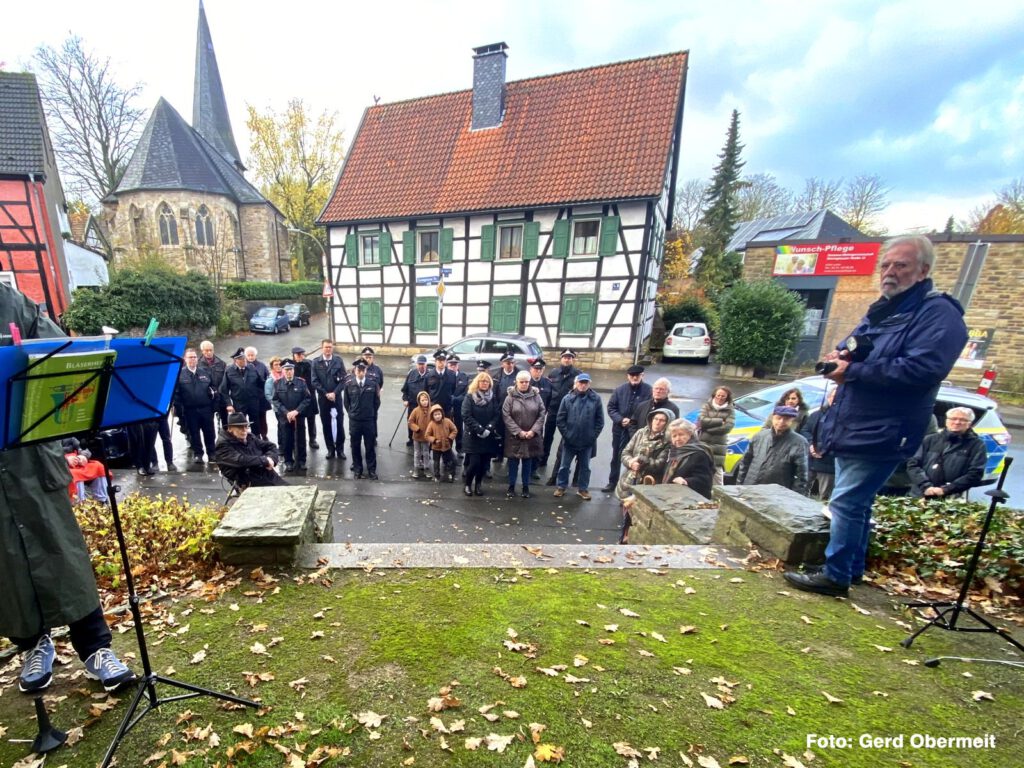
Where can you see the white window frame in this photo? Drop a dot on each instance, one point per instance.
(420, 254)
(597, 238)
(374, 256)
(502, 228)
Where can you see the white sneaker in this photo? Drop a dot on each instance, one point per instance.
(826, 512)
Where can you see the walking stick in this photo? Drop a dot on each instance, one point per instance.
(401, 417)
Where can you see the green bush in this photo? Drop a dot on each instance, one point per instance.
(758, 322)
(935, 540)
(134, 295)
(294, 290)
(689, 308)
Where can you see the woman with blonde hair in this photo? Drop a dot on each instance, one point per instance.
(481, 416)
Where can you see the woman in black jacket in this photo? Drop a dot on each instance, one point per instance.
(481, 415)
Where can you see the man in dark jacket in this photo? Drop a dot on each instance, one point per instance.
(242, 389)
(290, 402)
(949, 462)
(458, 395)
(194, 400)
(45, 570)
(562, 380)
(889, 371)
(361, 396)
(776, 454)
(304, 371)
(660, 392)
(580, 420)
(821, 467)
(441, 382)
(217, 368)
(244, 458)
(415, 382)
(373, 370)
(328, 373)
(621, 406)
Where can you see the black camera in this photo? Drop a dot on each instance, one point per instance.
(857, 350)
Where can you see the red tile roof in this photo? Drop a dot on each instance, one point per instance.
(603, 133)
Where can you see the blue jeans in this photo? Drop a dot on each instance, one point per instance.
(582, 456)
(857, 482)
(513, 472)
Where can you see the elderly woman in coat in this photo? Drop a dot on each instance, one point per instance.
(523, 414)
(688, 462)
(646, 452)
(717, 419)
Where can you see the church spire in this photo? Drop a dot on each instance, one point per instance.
(209, 107)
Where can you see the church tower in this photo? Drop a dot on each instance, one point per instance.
(209, 106)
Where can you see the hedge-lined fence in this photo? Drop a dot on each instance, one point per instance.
(262, 291)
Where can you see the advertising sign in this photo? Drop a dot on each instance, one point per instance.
(976, 349)
(832, 259)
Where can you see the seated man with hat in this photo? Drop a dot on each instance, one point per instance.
(245, 459)
(776, 454)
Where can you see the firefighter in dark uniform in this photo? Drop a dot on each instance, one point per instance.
(328, 373)
(194, 401)
(373, 370)
(361, 396)
(458, 395)
(441, 382)
(415, 382)
(291, 403)
(304, 370)
(242, 388)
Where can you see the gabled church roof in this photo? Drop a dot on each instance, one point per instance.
(596, 134)
(209, 105)
(171, 155)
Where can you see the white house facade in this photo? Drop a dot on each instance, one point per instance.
(578, 273)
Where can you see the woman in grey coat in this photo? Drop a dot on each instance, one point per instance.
(523, 413)
(717, 419)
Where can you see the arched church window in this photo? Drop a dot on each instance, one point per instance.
(168, 226)
(204, 227)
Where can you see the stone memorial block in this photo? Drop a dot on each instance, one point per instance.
(671, 514)
(267, 525)
(774, 519)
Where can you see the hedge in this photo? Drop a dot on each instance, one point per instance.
(294, 290)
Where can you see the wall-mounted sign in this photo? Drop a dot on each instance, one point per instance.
(832, 259)
(976, 349)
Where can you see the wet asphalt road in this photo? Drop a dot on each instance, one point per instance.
(400, 509)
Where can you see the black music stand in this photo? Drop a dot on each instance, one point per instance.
(947, 613)
(145, 686)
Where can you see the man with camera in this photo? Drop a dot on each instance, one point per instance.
(888, 371)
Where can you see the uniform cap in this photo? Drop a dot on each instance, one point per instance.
(240, 352)
(538, 363)
(298, 351)
(359, 363)
(367, 351)
(483, 365)
(568, 353)
(508, 357)
(287, 364)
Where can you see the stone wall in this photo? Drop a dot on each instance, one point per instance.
(264, 233)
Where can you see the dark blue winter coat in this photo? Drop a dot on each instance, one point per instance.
(580, 418)
(882, 408)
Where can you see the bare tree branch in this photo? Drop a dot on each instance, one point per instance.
(863, 199)
(760, 196)
(818, 194)
(93, 120)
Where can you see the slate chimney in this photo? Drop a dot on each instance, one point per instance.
(489, 85)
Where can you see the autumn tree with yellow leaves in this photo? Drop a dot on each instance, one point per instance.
(294, 158)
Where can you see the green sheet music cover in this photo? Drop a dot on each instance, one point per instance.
(53, 381)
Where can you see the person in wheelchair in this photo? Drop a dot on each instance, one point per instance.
(244, 458)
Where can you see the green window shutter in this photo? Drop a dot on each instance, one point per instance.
(384, 248)
(425, 315)
(609, 236)
(447, 241)
(567, 322)
(504, 314)
(560, 239)
(352, 250)
(579, 314)
(487, 242)
(371, 315)
(409, 246)
(531, 239)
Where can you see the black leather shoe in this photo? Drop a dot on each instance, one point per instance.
(357, 475)
(855, 581)
(468, 491)
(816, 582)
(341, 456)
(608, 488)
(525, 494)
(373, 476)
(330, 453)
(510, 493)
(314, 445)
(550, 481)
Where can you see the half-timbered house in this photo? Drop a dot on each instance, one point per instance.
(536, 207)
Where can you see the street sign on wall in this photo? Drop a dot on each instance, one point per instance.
(831, 259)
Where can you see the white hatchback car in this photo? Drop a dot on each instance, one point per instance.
(687, 340)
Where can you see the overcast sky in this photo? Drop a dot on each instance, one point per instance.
(929, 94)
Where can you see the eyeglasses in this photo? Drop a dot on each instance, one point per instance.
(957, 418)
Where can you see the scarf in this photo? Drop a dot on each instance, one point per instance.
(718, 407)
(276, 374)
(483, 397)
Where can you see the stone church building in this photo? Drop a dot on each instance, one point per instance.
(184, 195)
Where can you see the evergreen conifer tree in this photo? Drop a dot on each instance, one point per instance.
(719, 220)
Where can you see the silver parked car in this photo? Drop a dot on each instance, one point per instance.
(490, 347)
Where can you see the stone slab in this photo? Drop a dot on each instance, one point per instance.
(672, 514)
(370, 557)
(267, 525)
(323, 520)
(774, 519)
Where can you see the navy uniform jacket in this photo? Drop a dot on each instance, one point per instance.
(441, 387)
(304, 371)
(291, 395)
(327, 376)
(415, 382)
(361, 403)
(562, 380)
(624, 400)
(242, 388)
(194, 391)
(543, 386)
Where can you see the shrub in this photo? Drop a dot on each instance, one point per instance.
(135, 295)
(689, 308)
(758, 322)
(166, 537)
(934, 540)
(293, 290)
